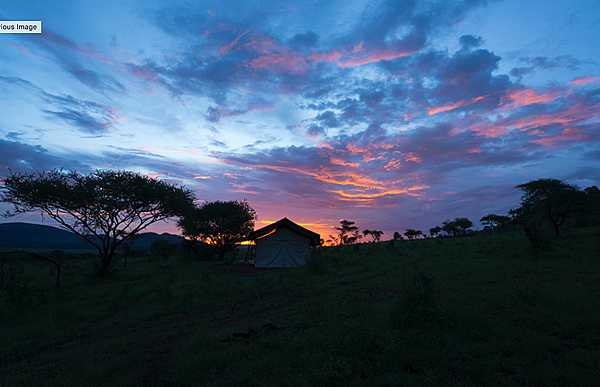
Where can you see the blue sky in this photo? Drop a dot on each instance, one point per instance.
(392, 114)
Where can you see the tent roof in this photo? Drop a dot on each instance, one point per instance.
(285, 222)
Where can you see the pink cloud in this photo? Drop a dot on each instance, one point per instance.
(247, 40)
(225, 49)
(373, 57)
(526, 97)
(29, 53)
(217, 114)
(263, 108)
(580, 81)
(332, 56)
(54, 40)
(115, 115)
(577, 114)
(290, 62)
(153, 175)
(144, 74)
(568, 134)
(358, 55)
(453, 106)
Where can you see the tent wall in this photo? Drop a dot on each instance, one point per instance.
(282, 248)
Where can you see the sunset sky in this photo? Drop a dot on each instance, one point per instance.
(392, 114)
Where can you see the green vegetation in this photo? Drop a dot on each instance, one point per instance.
(486, 310)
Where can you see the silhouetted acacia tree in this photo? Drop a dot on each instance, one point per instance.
(348, 233)
(549, 199)
(463, 225)
(219, 224)
(458, 226)
(411, 233)
(435, 230)
(495, 222)
(375, 234)
(105, 208)
(397, 236)
(355, 237)
(449, 227)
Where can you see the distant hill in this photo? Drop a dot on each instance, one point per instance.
(27, 235)
(144, 240)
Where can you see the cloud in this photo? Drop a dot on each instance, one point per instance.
(20, 157)
(328, 119)
(227, 52)
(470, 41)
(74, 59)
(85, 116)
(545, 63)
(585, 80)
(369, 116)
(315, 130)
(304, 42)
(21, 83)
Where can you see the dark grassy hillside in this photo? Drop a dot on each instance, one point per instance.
(478, 311)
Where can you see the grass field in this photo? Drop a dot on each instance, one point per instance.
(40, 250)
(477, 311)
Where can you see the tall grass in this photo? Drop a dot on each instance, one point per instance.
(477, 311)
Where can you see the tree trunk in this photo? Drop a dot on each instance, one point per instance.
(107, 257)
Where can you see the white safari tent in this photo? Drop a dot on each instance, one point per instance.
(282, 244)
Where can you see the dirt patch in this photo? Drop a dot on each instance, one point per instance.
(241, 269)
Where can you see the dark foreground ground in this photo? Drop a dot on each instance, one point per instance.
(482, 311)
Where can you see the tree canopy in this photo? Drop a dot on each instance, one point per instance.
(435, 230)
(105, 208)
(412, 233)
(495, 222)
(219, 224)
(458, 226)
(548, 199)
(348, 233)
(375, 234)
